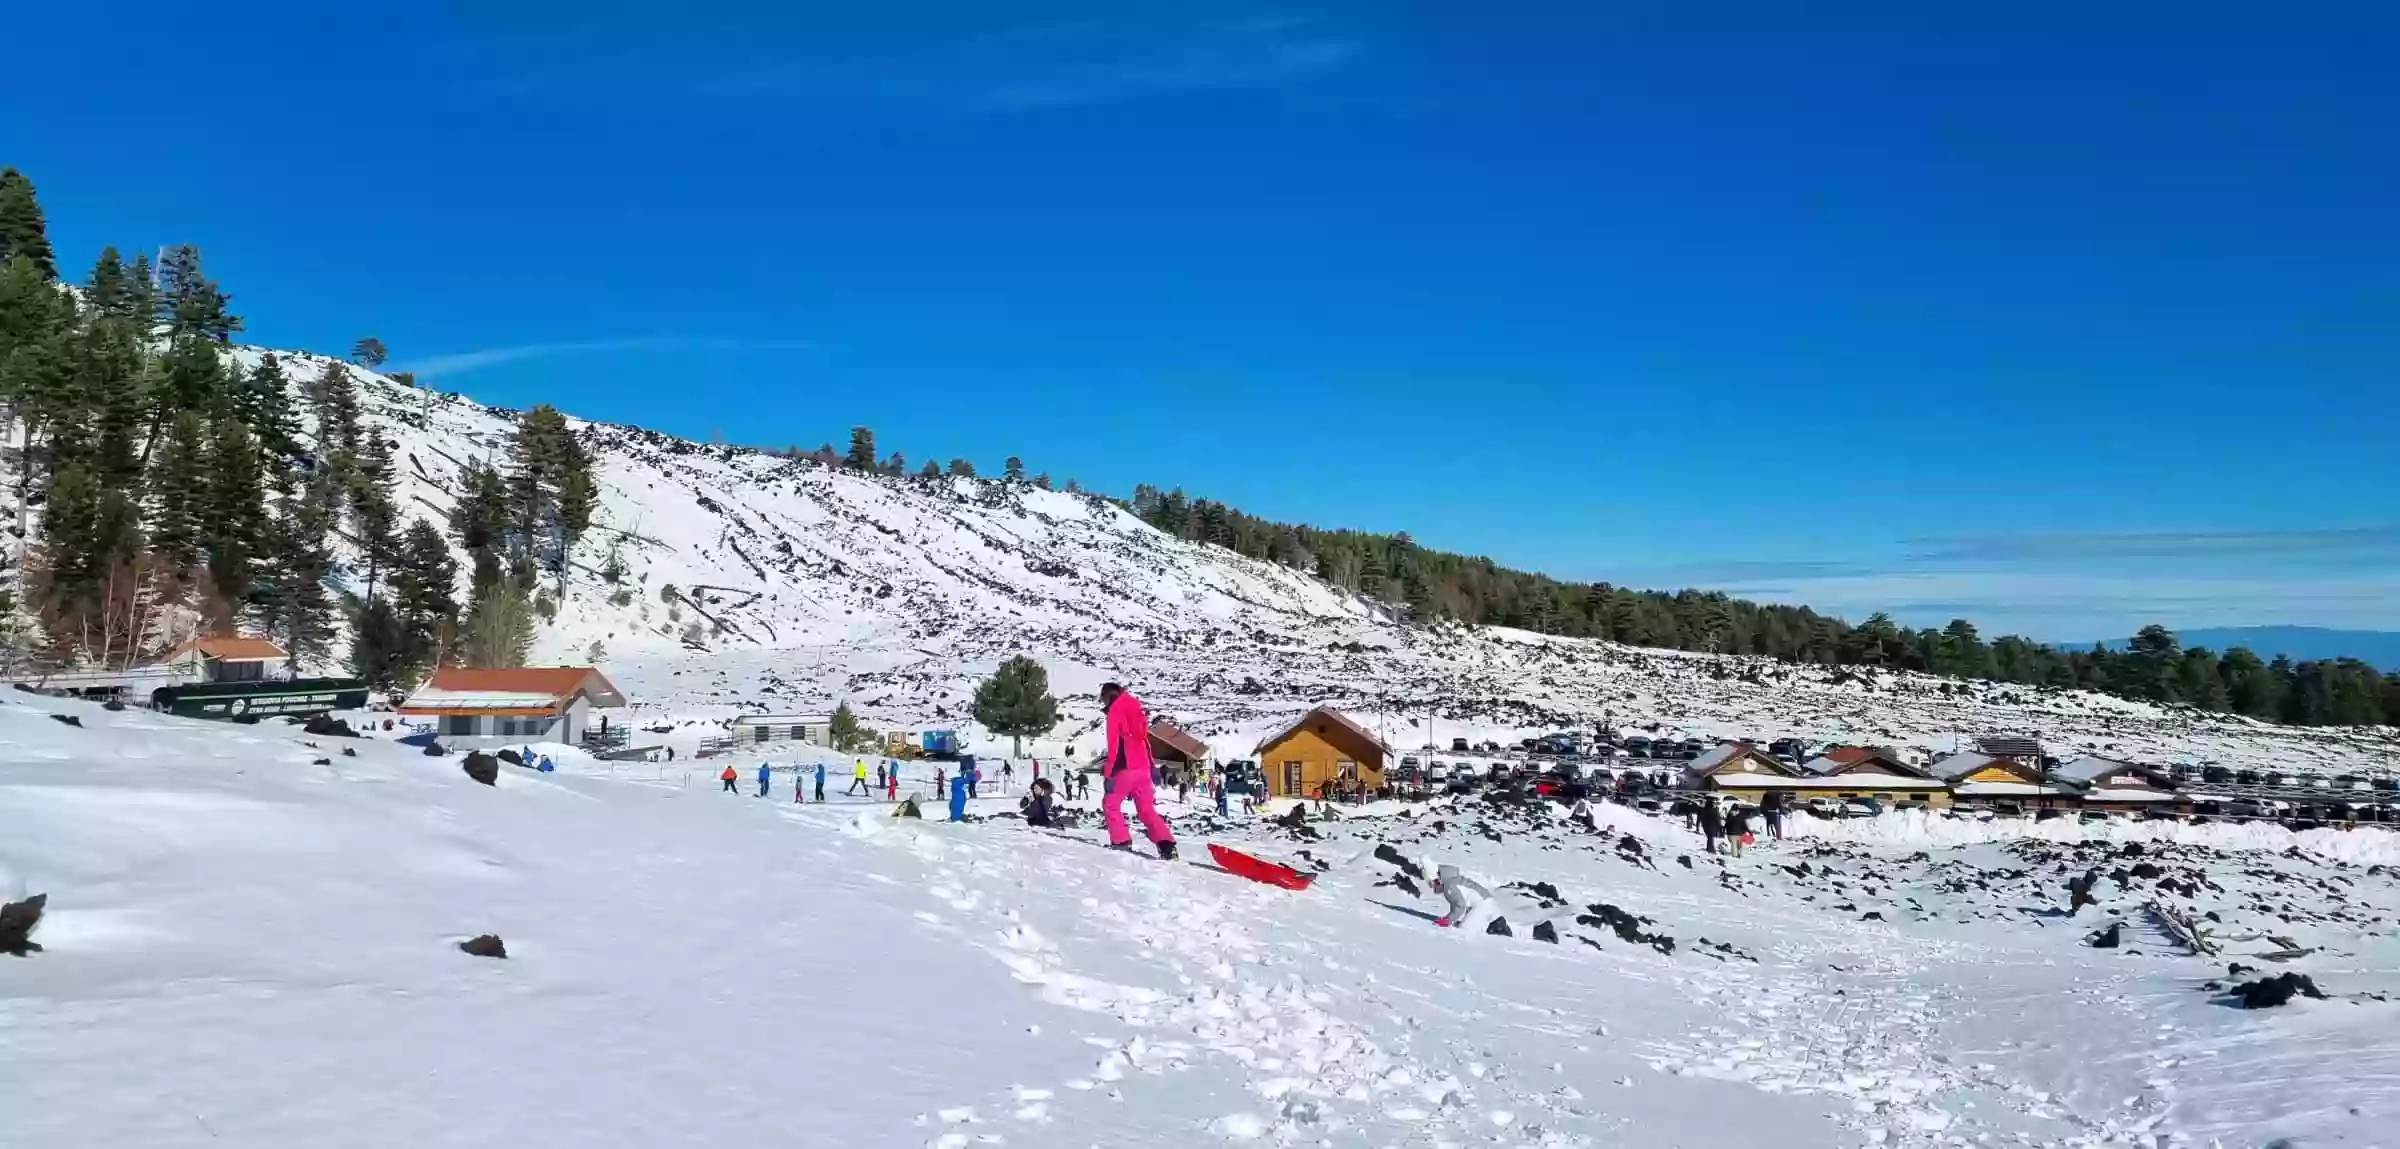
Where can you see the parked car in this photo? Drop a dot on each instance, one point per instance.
(2278, 778)
(2216, 774)
(1824, 807)
(2387, 785)
(1861, 807)
(1787, 749)
(1458, 746)
(2249, 777)
(1638, 746)
(1437, 775)
(1489, 748)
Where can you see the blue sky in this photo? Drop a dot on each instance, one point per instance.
(2065, 317)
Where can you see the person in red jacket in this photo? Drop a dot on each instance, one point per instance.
(1127, 768)
(729, 776)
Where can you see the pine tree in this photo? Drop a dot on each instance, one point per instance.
(845, 731)
(112, 384)
(89, 534)
(862, 449)
(189, 303)
(1013, 469)
(191, 377)
(1042, 480)
(22, 231)
(424, 594)
(335, 396)
(1016, 701)
(180, 495)
(931, 470)
(236, 533)
(368, 353)
(108, 291)
(264, 401)
(374, 516)
(895, 465)
(960, 468)
(378, 648)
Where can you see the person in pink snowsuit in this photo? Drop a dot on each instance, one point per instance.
(1126, 765)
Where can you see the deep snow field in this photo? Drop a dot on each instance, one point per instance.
(251, 941)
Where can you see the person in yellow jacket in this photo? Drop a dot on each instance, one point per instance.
(858, 781)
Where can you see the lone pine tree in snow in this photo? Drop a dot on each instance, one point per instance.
(1016, 701)
(844, 730)
(862, 449)
(22, 232)
(368, 353)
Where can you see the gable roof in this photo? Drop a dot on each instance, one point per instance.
(1730, 753)
(2083, 771)
(1966, 762)
(516, 688)
(1867, 762)
(231, 648)
(1189, 747)
(1338, 723)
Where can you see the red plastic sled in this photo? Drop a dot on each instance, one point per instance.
(1259, 869)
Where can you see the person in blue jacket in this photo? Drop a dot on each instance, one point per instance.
(820, 781)
(958, 798)
(764, 771)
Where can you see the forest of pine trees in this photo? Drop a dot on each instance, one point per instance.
(181, 495)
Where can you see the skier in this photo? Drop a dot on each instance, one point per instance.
(891, 788)
(858, 781)
(729, 775)
(879, 775)
(1183, 790)
(940, 786)
(1128, 766)
(1454, 887)
(820, 782)
(765, 772)
(958, 798)
(1712, 822)
(1038, 805)
(1219, 786)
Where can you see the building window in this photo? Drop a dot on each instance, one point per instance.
(1291, 779)
(462, 725)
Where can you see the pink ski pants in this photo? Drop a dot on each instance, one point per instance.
(1134, 784)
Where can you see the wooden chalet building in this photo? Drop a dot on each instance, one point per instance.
(1742, 771)
(1863, 772)
(1323, 754)
(1176, 754)
(1992, 781)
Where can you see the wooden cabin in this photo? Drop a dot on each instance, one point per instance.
(1987, 780)
(1874, 773)
(1324, 754)
(816, 729)
(1176, 754)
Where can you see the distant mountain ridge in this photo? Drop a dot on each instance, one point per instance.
(2377, 648)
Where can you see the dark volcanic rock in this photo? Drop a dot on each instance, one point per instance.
(2268, 992)
(17, 920)
(483, 768)
(485, 946)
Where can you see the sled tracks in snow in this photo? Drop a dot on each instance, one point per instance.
(1219, 999)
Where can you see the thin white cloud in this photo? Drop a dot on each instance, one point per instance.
(459, 363)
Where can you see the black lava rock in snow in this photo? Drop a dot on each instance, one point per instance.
(1401, 880)
(485, 946)
(434, 750)
(509, 756)
(69, 719)
(112, 705)
(1685, 859)
(1499, 926)
(17, 920)
(326, 725)
(483, 768)
(2268, 992)
(1545, 932)
(1387, 853)
(2107, 939)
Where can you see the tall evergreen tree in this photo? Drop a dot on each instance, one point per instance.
(189, 303)
(264, 401)
(236, 531)
(109, 291)
(369, 353)
(862, 449)
(1013, 469)
(22, 230)
(499, 628)
(180, 494)
(424, 593)
(961, 468)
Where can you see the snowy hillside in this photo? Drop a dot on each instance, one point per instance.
(800, 585)
(251, 939)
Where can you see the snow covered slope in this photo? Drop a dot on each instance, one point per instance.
(801, 585)
(251, 941)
